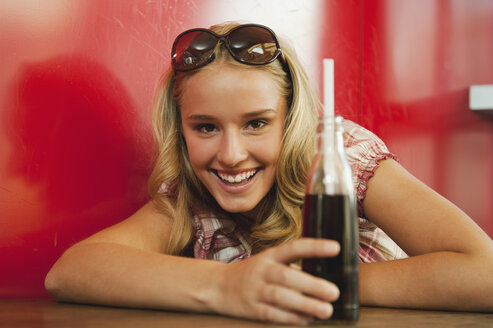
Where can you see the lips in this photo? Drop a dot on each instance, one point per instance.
(236, 178)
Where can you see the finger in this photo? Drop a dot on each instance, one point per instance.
(295, 266)
(304, 248)
(293, 301)
(271, 313)
(302, 282)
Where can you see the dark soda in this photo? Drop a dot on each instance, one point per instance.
(333, 217)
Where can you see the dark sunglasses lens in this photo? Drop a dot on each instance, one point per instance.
(193, 49)
(254, 45)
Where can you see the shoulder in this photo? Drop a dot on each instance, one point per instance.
(364, 151)
(363, 147)
(359, 140)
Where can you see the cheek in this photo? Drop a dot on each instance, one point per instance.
(267, 151)
(273, 153)
(199, 152)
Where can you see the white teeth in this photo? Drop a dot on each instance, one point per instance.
(237, 178)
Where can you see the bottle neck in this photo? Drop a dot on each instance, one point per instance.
(339, 135)
(330, 136)
(330, 173)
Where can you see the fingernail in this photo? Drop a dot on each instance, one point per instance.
(324, 311)
(333, 292)
(332, 246)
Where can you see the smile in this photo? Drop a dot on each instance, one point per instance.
(236, 179)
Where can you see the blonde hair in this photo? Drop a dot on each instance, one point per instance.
(280, 217)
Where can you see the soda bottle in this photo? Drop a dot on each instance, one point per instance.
(329, 212)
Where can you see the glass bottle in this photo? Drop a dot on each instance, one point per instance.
(329, 212)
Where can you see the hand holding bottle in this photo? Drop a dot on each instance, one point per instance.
(265, 286)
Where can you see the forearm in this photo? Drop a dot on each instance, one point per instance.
(442, 280)
(117, 275)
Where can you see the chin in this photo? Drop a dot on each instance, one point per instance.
(236, 208)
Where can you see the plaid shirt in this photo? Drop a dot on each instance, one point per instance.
(218, 239)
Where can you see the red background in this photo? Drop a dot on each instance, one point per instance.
(76, 80)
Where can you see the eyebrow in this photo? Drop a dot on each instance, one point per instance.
(205, 117)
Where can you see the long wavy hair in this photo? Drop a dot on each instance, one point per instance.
(174, 187)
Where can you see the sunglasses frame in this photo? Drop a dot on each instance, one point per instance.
(223, 38)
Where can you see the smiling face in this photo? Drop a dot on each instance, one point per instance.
(233, 122)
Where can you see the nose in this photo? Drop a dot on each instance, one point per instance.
(232, 150)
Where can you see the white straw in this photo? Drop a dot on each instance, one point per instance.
(328, 79)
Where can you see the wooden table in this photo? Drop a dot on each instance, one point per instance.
(50, 314)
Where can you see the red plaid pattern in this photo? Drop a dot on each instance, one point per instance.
(218, 239)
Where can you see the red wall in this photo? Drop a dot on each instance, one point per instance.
(75, 88)
(418, 60)
(76, 79)
(403, 69)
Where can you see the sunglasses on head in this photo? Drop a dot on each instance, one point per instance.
(250, 44)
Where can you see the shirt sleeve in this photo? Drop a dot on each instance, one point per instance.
(363, 151)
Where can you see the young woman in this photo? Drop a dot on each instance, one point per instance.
(235, 121)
